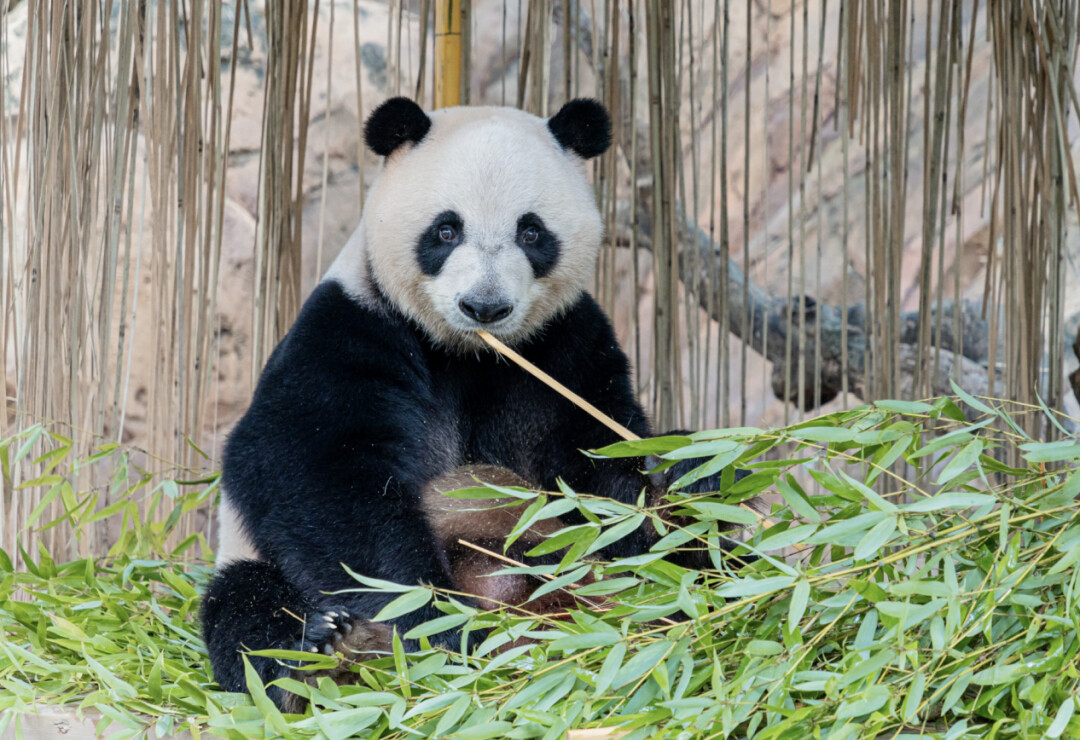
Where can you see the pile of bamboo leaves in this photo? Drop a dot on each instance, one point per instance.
(908, 583)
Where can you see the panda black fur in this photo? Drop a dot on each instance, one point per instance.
(482, 218)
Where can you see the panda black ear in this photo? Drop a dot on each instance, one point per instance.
(393, 123)
(582, 126)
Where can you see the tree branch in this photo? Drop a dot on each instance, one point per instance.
(700, 260)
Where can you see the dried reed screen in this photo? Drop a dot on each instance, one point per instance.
(821, 202)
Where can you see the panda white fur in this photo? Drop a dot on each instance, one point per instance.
(481, 218)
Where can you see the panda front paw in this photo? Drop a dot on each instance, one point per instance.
(661, 480)
(324, 629)
(334, 630)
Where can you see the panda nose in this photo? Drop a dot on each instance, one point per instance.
(486, 312)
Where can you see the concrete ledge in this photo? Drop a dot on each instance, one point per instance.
(54, 723)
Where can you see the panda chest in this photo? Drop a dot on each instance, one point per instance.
(497, 410)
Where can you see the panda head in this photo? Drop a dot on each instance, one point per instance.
(482, 218)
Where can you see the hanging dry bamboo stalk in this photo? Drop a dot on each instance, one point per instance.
(111, 129)
(605, 169)
(113, 162)
(281, 166)
(723, 317)
(767, 164)
(690, 299)
(663, 122)
(540, 74)
(1036, 184)
(635, 320)
(466, 50)
(359, 95)
(425, 19)
(393, 47)
(934, 132)
(114, 133)
(843, 90)
(747, 319)
(326, 150)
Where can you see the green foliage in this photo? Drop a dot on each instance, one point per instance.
(918, 578)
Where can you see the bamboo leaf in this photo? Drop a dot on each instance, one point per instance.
(864, 703)
(800, 597)
(436, 626)
(914, 697)
(408, 602)
(642, 447)
(723, 512)
(826, 435)
(875, 539)
(1061, 719)
(743, 587)
(948, 500)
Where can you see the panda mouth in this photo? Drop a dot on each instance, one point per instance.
(504, 325)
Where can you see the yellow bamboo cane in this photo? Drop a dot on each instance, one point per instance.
(447, 53)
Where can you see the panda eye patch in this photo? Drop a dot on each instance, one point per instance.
(540, 245)
(438, 240)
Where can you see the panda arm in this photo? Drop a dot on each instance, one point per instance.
(327, 465)
(580, 350)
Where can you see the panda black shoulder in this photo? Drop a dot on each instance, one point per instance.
(583, 327)
(579, 347)
(334, 326)
(338, 352)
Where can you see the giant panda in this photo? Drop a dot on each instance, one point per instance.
(481, 218)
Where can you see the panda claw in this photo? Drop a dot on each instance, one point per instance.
(661, 478)
(328, 631)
